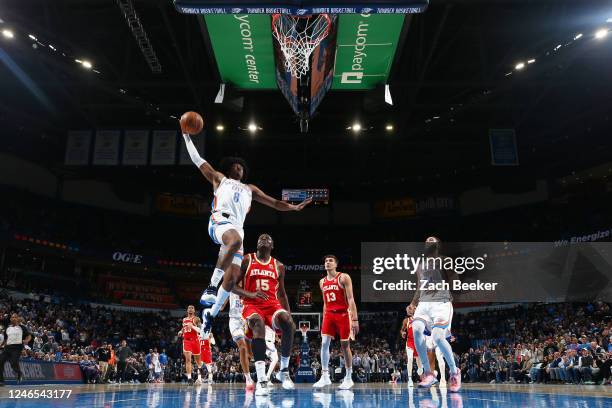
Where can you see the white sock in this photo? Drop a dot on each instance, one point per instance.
(324, 372)
(248, 378)
(216, 277)
(200, 373)
(260, 368)
(222, 296)
(284, 362)
(189, 376)
(325, 340)
(445, 348)
(349, 373)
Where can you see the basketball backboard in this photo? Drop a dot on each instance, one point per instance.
(356, 52)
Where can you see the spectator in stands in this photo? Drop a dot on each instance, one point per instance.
(91, 371)
(587, 366)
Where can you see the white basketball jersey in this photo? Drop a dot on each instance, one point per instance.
(233, 198)
(235, 306)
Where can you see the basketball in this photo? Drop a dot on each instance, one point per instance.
(191, 123)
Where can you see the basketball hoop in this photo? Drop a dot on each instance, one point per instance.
(304, 330)
(298, 36)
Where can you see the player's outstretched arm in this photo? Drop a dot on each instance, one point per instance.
(278, 205)
(347, 283)
(207, 170)
(281, 294)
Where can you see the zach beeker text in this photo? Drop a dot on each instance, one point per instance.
(424, 284)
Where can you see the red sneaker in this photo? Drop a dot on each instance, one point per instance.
(428, 380)
(455, 381)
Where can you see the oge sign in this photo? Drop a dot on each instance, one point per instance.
(127, 257)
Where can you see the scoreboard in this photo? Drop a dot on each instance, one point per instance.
(296, 196)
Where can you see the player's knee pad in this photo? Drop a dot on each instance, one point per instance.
(259, 349)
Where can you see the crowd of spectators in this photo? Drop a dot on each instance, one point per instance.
(550, 343)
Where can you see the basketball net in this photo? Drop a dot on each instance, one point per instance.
(298, 36)
(304, 330)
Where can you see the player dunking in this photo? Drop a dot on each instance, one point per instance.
(406, 332)
(266, 304)
(339, 318)
(434, 311)
(191, 342)
(232, 201)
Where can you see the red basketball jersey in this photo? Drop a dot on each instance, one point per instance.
(334, 296)
(261, 276)
(189, 334)
(409, 334)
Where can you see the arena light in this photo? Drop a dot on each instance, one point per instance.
(389, 128)
(32, 37)
(356, 127)
(601, 33)
(8, 33)
(86, 64)
(252, 127)
(531, 61)
(578, 36)
(220, 128)
(519, 66)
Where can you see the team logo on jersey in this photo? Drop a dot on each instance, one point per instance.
(236, 10)
(301, 12)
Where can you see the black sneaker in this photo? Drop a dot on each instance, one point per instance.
(19, 378)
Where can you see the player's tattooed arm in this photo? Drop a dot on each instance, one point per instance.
(281, 294)
(278, 205)
(347, 283)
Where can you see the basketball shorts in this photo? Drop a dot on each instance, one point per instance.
(267, 311)
(236, 327)
(337, 324)
(435, 315)
(410, 348)
(217, 226)
(206, 353)
(192, 346)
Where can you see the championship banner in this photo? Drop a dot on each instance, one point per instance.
(78, 144)
(503, 147)
(106, 149)
(164, 147)
(198, 142)
(135, 147)
(45, 372)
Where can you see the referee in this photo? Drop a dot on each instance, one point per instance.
(15, 336)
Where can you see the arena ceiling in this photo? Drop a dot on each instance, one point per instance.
(455, 77)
